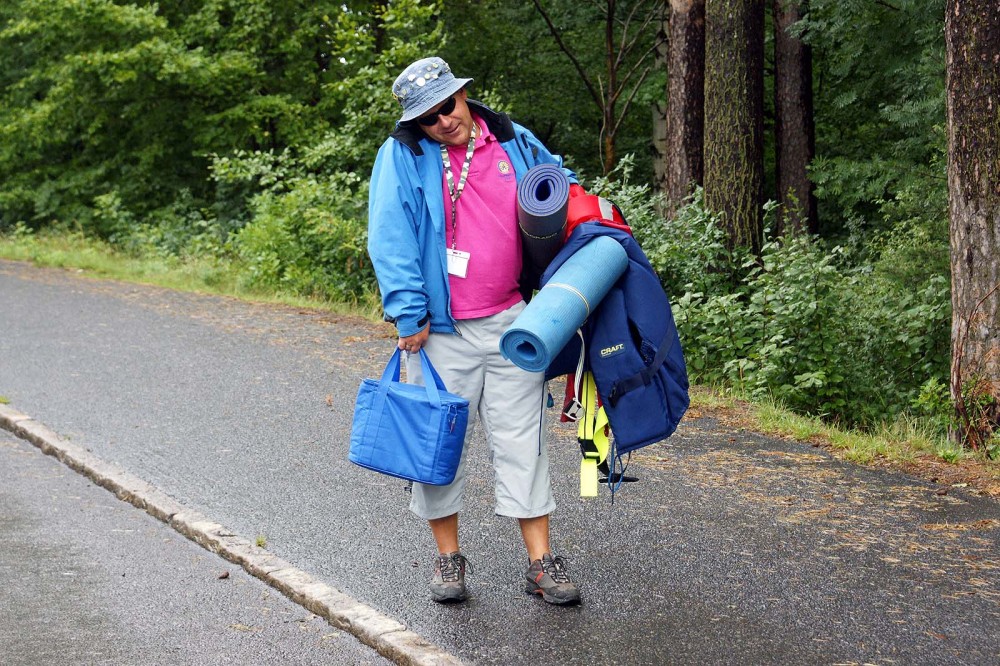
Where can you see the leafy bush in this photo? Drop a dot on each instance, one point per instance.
(178, 230)
(310, 240)
(797, 323)
(934, 405)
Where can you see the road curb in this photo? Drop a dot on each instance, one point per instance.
(387, 636)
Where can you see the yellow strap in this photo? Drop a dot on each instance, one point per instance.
(588, 477)
(592, 428)
(588, 398)
(601, 439)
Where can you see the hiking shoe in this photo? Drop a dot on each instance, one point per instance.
(548, 578)
(448, 583)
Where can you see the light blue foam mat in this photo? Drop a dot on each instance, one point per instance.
(551, 318)
(542, 201)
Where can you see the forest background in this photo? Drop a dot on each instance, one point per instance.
(236, 137)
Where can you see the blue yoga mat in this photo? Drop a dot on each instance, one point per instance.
(542, 200)
(551, 318)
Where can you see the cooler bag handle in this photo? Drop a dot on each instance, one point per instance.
(391, 375)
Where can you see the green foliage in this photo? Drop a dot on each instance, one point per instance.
(306, 206)
(508, 49)
(132, 102)
(225, 128)
(949, 453)
(934, 405)
(307, 241)
(880, 114)
(178, 230)
(796, 324)
(364, 63)
(98, 97)
(691, 254)
(992, 447)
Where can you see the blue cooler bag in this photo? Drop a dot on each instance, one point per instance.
(407, 430)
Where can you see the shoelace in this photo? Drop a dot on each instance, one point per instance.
(556, 567)
(451, 566)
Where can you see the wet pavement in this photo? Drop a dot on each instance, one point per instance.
(89, 579)
(732, 548)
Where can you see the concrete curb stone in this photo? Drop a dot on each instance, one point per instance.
(387, 636)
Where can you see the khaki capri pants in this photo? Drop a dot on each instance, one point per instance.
(510, 403)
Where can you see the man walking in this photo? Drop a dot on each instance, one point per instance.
(444, 241)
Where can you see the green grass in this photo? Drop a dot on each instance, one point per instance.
(716, 397)
(208, 275)
(902, 440)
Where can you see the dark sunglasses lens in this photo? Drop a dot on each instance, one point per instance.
(445, 110)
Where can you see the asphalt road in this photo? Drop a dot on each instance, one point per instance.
(732, 549)
(88, 579)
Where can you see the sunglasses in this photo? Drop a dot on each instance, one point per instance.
(431, 118)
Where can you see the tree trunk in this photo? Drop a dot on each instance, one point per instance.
(795, 133)
(734, 117)
(660, 164)
(686, 101)
(378, 10)
(972, 36)
(659, 111)
(611, 72)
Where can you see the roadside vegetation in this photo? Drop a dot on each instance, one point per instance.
(72, 250)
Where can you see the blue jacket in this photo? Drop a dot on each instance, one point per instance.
(406, 235)
(633, 348)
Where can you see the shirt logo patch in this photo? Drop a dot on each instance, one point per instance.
(503, 166)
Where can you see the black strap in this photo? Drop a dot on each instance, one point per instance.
(645, 376)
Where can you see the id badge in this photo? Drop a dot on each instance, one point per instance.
(458, 263)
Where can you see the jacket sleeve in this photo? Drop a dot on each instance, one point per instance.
(393, 212)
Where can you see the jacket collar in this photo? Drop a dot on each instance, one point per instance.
(410, 135)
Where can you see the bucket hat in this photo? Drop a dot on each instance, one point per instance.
(423, 85)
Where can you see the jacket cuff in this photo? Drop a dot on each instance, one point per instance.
(407, 327)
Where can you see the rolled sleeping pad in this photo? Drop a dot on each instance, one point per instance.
(542, 201)
(551, 318)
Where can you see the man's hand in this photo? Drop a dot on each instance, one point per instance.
(413, 343)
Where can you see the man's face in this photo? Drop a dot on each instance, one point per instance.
(452, 129)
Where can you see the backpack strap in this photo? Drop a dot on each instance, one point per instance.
(644, 376)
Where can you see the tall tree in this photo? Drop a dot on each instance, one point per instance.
(660, 107)
(794, 129)
(628, 56)
(734, 117)
(685, 100)
(972, 35)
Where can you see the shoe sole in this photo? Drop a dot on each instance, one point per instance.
(548, 598)
(449, 598)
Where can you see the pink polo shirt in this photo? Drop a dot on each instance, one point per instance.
(487, 229)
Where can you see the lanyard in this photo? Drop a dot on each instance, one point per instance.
(456, 190)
